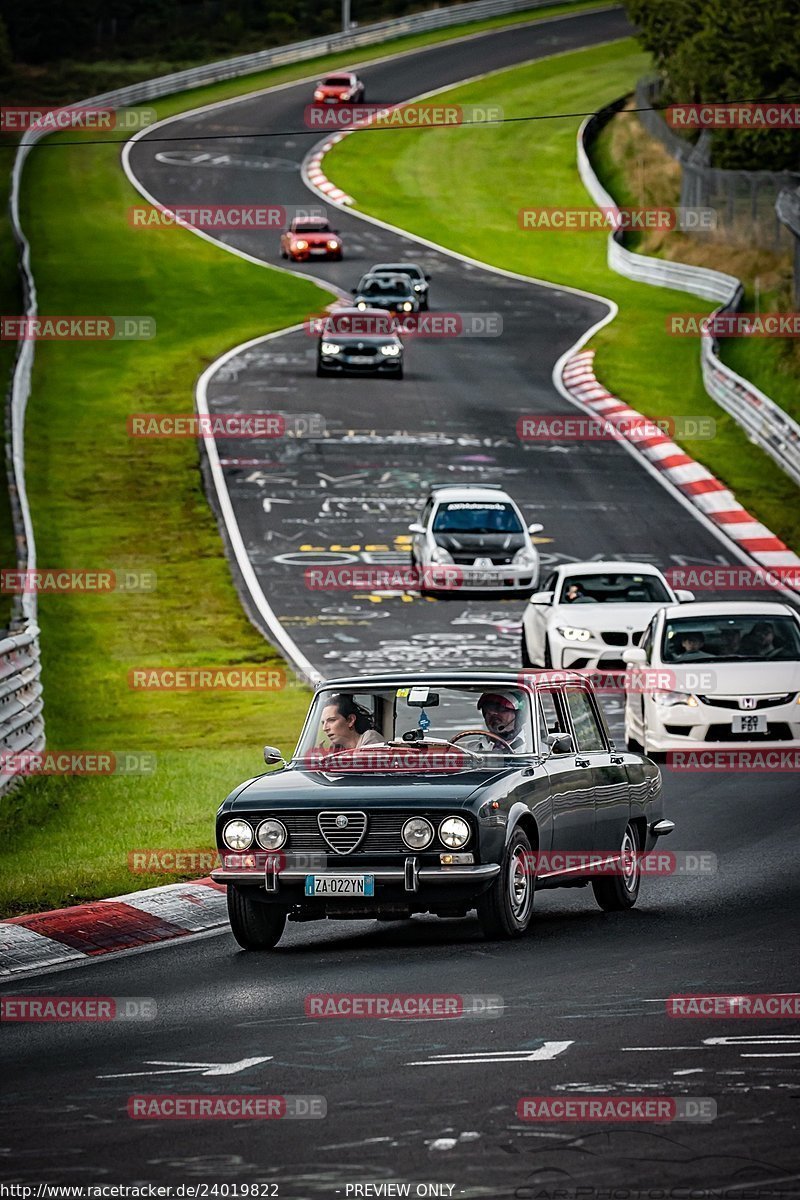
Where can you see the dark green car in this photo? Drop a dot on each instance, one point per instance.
(439, 794)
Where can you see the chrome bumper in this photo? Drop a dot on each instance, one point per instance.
(411, 875)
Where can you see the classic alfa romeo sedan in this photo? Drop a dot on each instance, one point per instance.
(438, 794)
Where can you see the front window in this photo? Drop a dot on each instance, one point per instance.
(476, 516)
(337, 81)
(613, 589)
(311, 227)
(741, 637)
(467, 724)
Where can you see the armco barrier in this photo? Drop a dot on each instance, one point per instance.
(21, 719)
(765, 422)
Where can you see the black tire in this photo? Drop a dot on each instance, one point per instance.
(614, 893)
(255, 926)
(505, 910)
(399, 374)
(548, 658)
(527, 661)
(320, 371)
(633, 746)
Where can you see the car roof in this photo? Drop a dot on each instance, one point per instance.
(730, 608)
(475, 491)
(609, 567)
(395, 266)
(352, 311)
(525, 680)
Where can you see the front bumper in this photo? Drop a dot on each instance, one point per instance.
(592, 655)
(342, 364)
(685, 727)
(411, 876)
(501, 578)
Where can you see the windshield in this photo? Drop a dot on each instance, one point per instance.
(464, 724)
(614, 589)
(752, 638)
(337, 81)
(311, 227)
(386, 287)
(476, 516)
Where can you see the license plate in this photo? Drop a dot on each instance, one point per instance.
(319, 249)
(340, 885)
(749, 723)
(360, 358)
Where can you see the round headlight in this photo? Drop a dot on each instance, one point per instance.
(361, 305)
(271, 834)
(417, 833)
(237, 835)
(454, 832)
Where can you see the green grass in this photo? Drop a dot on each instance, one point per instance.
(406, 177)
(101, 501)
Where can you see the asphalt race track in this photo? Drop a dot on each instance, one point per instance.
(434, 1101)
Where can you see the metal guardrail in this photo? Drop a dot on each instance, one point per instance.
(764, 421)
(21, 716)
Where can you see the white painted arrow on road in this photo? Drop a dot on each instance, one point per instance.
(546, 1051)
(180, 1068)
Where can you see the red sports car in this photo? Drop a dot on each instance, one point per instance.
(310, 237)
(342, 88)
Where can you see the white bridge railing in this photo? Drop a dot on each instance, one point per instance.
(764, 421)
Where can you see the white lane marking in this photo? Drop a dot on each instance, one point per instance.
(545, 1052)
(793, 1054)
(180, 1068)
(753, 1039)
(649, 1048)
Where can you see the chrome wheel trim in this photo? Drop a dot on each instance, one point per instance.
(520, 891)
(629, 864)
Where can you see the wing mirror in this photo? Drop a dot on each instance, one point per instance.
(416, 528)
(542, 598)
(684, 595)
(634, 655)
(537, 527)
(560, 743)
(272, 756)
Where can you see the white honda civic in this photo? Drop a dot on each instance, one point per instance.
(588, 612)
(724, 674)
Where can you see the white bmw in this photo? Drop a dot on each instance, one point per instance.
(724, 674)
(480, 531)
(589, 612)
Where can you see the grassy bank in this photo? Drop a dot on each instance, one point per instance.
(406, 177)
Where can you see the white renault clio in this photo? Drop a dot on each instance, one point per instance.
(589, 612)
(727, 674)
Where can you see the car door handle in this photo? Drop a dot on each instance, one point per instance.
(582, 762)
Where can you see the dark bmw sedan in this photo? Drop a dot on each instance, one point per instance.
(439, 794)
(353, 342)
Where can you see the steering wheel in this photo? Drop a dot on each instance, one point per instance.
(481, 733)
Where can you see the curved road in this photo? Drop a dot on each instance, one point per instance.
(404, 1104)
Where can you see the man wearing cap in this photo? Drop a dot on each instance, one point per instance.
(502, 712)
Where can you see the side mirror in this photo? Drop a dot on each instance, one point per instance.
(428, 277)
(542, 598)
(416, 528)
(634, 654)
(560, 743)
(684, 595)
(272, 756)
(353, 291)
(537, 527)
